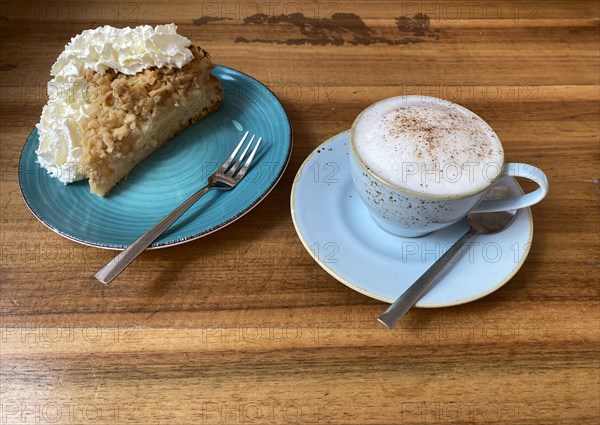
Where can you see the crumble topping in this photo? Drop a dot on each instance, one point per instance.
(122, 104)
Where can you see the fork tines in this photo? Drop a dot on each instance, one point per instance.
(237, 170)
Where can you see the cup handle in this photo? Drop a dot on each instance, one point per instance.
(527, 171)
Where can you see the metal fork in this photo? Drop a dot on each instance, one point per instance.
(225, 178)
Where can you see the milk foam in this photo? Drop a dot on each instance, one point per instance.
(428, 145)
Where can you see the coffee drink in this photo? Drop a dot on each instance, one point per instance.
(428, 145)
(420, 164)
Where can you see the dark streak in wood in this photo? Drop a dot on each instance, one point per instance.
(339, 29)
(207, 19)
(7, 67)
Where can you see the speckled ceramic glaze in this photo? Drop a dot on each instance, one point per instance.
(169, 176)
(411, 214)
(403, 214)
(335, 228)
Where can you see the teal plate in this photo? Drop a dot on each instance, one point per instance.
(168, 177)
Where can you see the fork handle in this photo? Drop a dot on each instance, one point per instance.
(111, 270)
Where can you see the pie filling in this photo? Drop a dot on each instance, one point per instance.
(134, 115)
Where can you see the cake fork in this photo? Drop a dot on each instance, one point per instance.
(226, 177)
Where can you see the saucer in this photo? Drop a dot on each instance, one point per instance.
(339, 233)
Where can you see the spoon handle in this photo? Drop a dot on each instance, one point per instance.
(394, 312)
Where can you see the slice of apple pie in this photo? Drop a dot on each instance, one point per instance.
(131, 91)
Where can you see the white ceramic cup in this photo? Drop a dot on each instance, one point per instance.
(410, 213)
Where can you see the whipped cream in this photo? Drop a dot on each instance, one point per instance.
(126, 50)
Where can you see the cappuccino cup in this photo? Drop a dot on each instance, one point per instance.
(420, 164)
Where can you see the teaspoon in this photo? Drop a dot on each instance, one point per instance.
(479, 224)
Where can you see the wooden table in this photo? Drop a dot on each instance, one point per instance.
(243, 326)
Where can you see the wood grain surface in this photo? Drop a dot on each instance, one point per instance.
(243, 326)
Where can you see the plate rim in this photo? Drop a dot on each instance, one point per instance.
(190, 237)
(378, 297)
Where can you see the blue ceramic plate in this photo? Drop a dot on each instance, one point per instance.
(170, 176)
(337, 230)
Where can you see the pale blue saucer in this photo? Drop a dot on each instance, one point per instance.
(337, 230)
(170, 176)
